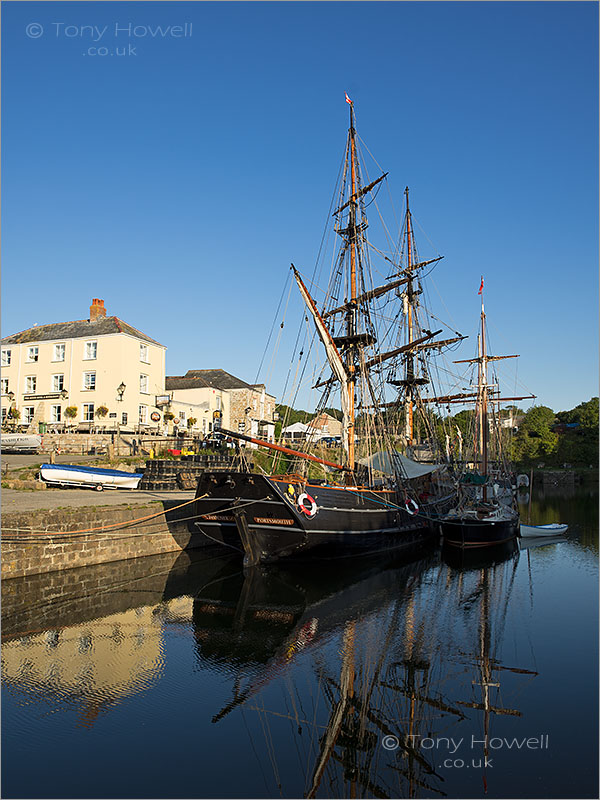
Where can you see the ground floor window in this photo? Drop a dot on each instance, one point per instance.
(28, 412)
(4, 414)
(88, 412)
(143, 415)
(55, 414)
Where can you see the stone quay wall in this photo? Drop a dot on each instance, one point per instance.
(85, 443)
(49, 540)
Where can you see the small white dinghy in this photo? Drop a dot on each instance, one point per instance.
(88, 477)
(554, 529)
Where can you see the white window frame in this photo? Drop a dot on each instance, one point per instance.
(30, 384)
(87, 413)
(58, 382)
(144, 354)
(218, 401)
(56, 352)
(88, 348)
(143, 414)
(4, 385)
(144, 383)
(4, 413)
(181, 415)
(6, 356)
(28, 414)
(89, 378)
(33, 354)
(56, 413)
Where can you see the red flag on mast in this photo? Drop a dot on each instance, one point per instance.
(481, 287)
(348, 99)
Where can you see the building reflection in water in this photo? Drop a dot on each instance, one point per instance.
(360, 653)
(89, 638)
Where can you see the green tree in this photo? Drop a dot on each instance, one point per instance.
(579, 445)
(535, 439)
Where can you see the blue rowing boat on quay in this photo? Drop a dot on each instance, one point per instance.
(88, 477)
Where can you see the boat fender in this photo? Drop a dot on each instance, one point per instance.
(411, 507)
(311, 508)
(291, 489)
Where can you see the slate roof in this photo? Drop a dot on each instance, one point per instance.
(80, 329)
(202, 378)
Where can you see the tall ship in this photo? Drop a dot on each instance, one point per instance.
(487, 512)
(373, 493)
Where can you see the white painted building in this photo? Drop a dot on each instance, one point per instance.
(90, 365)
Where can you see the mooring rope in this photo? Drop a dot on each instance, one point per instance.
(46, 534)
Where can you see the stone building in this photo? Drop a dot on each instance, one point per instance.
(324, 425)
(90, 364)
(211, 394)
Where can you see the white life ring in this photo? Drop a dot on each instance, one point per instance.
(410, 503)
(309, 510)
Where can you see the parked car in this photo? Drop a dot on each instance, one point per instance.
(330, 441)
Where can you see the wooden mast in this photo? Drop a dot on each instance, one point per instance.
(351, 326)
(483, 400)
(410, 365)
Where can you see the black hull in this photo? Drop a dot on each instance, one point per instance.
(476, 558)
(261, 517)
(471, 533)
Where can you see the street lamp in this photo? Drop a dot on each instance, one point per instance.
(63, 396)
(120, 392)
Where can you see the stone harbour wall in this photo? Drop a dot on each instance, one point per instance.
(49, 540)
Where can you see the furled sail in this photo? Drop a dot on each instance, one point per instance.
(333, 355)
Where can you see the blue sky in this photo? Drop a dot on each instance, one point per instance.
(177, 181)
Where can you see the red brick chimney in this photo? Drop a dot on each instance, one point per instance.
(97, 309)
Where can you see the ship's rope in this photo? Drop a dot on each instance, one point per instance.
(42, 534)
(287, 280)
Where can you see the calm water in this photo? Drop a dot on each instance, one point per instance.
(169, 677)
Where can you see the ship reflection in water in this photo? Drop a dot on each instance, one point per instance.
(430, 675)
